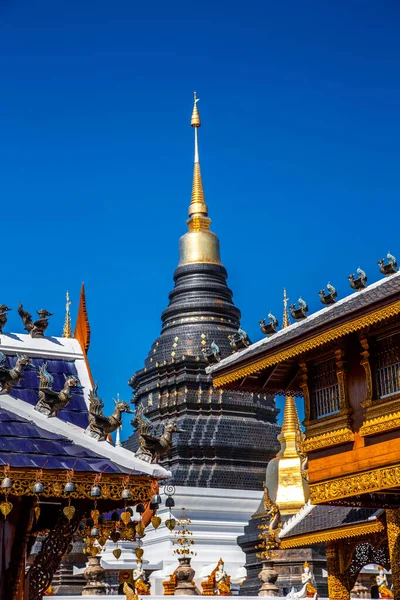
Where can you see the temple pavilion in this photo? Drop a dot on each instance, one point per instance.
(344, 361)
(218, 460)
(53, 474)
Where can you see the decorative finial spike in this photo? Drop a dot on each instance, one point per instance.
(67, 331)
(195, 122)
(286, 321)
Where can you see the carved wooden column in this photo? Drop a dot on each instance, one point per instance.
(48, 560)
(393, 533)
(306, 392)
(364, 362)
(338, 578)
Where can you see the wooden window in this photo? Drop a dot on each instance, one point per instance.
(388, 366)
(324, 387)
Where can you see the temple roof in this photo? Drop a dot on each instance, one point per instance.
(327, 522)
(356, 304)
(29, 438)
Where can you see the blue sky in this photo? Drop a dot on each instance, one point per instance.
(299, 151)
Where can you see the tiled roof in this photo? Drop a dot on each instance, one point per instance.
(320, 518)
(341, 310)
(24, 444)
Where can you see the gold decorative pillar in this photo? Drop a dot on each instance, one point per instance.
(338, 578)
(393, 533)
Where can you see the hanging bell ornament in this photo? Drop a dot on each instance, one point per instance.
(38, 488)
(153, 506)
(126, 494)
(7, 483)
(69, 487)
(89, 522)
(140, 509)
(95, 491)
(170, 502)
(94, 532)
(156, 499)
(115, 516)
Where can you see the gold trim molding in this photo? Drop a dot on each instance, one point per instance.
(380, 424)
(111, 485)
(319, 340)
(339, 533)
(332, 438)
(362, 483)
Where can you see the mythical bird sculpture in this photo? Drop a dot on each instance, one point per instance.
(301, 311)
(152, 448)
(391, 265)
(270, 327)
(9, 377)
(3, 316)
(359, 282)
(51, 401)
(330, 296)
(212, 354)
(37, 328)
(239, 340)
(100, 426)
(274, 527)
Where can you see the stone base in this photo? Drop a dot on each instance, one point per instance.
(268, 575)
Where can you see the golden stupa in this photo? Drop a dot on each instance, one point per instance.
(199, 244)
(284, 479)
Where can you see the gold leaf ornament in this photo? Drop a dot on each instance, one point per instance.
(117, 553)
(139, 553)
(6, 508)
(95, 516)
(69, 511)
(140, 529)
(37, 512)
(94, 551)
(126, 517)
(170, 523)
(156, 521)
(102, 541)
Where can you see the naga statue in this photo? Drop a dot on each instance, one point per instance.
(359, 282)
(212, 354)
(100, 426)
(9, 377)
(308, 582)
(330, 296)
(50, 401)
(390, 267)
(270, 327)
(152, 448)
(37, 328)
(3, 316)
(239, 340)
(301, 311)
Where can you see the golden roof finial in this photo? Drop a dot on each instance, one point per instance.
(197, 210)
(286, 321)
(291, 422)
(67, 332)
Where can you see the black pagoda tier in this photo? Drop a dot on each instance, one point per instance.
(228, 436)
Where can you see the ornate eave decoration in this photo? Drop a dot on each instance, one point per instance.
(310, 344)
(339, 533)
(380, 424)
(111, 485)
(362, 483)
(332, 438)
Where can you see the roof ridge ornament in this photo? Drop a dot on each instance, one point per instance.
(390, 267)
(301, 311)
(3, 316)
(359, 282)
(9, 377)
(51, 401)
(36, 329)
(67, 331)
(100, 426)
(330, 296)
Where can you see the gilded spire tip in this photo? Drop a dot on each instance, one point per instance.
(67, 331)
(286, 321)
(195, 122)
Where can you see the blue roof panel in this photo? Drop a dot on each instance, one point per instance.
(24, 444)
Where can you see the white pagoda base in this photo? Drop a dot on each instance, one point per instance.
(218, 517)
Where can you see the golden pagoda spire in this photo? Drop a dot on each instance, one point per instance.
(199, 244)
(67, 331)
(198, 207)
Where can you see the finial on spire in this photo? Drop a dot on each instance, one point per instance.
(195, 122)
(67, 331)
(286, 321)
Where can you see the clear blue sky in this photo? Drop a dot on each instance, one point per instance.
(300, 104)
